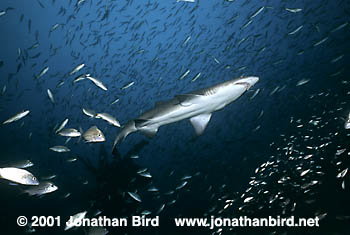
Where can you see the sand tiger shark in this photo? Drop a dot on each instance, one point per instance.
(198, 106)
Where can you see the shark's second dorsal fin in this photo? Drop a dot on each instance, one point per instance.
(200, 122)
(140, 122)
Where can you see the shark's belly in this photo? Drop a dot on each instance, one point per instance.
(184, 112)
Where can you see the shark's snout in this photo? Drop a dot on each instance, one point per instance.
(248, 82)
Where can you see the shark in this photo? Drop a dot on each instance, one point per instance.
(197, 106)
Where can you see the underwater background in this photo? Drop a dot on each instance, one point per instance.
(284, 144)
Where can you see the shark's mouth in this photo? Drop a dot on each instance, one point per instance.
(246, 84)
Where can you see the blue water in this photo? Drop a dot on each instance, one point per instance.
(144, 42)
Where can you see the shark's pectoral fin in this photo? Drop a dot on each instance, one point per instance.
(149, 131)
(186, 99)
(200, 122)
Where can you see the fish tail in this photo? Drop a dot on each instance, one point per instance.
(125, 131)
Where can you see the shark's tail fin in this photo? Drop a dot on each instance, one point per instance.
(125, 131)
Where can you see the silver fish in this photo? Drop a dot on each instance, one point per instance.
(69, 132)
(49, 93)
(19, 176)
(93, 134)
(89, 112)
(63, 124)
(60, 149)
(74, 219)
(43, 72)
(135, 196)
(109, 118)
(128, 85)
(97, 83)
(76, 69)
(22, 164)
(17, 117)
(41, 189)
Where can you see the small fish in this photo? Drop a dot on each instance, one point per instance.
(337, 59)
(72, 159)
(153, 189)
(43, 72)
(48, 177)
(294, 10)
(183, 184)
(69, 132)
(304, 172)
(41, 189)
(66, 195)
(93, 135)
(60, 149)
(128, 85)
(186, 177)
(63, 124)
(342, 173)
(135, 196)
(248, 199)
(302, 82)
(17, 117)
(80, 2)
(216, 60)
(320, 42)
(257, 12)
(74, 219)
(196, 77)
(255, 93)
(340, 27)
(187, 39)
(89, 113)
(76, 69)
(115, 101)
(347, 123)
(146, 212)
(161, 208)
(19, 176)
(296, 30)
(55, 26)
(109, 118)
(97, 83)
(49, 93)
(184, 74)
(145, 174)
(22, 164)
(79, 78)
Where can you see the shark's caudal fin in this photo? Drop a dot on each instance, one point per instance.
(200, 122)
(124, 132)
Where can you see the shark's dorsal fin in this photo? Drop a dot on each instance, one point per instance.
(185, 99)
(149, 131)
(200, 122)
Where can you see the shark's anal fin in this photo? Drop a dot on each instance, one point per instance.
(200, 122)
(149, 131)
